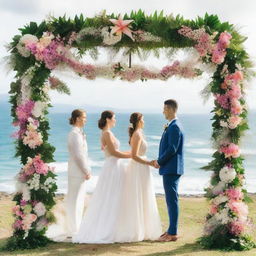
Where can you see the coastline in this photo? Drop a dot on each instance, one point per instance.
(8, 196)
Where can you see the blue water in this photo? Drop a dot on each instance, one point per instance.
(197, 149)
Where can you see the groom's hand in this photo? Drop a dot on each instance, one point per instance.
(156, 165)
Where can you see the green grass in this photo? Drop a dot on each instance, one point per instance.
(192, 214)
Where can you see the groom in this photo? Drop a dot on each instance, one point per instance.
(171, 164)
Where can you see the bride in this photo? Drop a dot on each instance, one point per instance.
(123, 207)
(141, 220)
(104, 213)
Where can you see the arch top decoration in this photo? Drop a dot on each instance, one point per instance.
(61, 42)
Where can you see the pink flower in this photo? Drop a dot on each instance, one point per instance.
(238, 76)
(234, 121)
(223, 100)
(240, 208)
(24, 111)
(48, 51)
(28, 220)
(170, 70)
(231, 150)
(224, 39)
(40, 166)
(33, 139)
(234, 78)
(147, 74)
(16, 210)
(17, 224)
(234, 194)
(23, 202)
(121, 26)
(236, 107)
(23, 177)
(84, 69)
(237, 227)
(218, 55)
(219, 50)
(214, 209)
(204, 43)
(234, 92)
(33, 217)
(223, 86)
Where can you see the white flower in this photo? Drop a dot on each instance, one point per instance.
(46, 39)
(218, 188)
(23, 188)
(39, 108)
(146, 36)
(26, 193)
(227, 174)
(220, 199)
(34, 183)
(210, 225)
(23, 41)
(42, 223)
(223, 216)
(223, 123)
(109, 38)
(28, 38)
(48, 184)
(39, 209)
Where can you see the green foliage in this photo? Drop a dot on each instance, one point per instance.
(34, 240)
(221, 239)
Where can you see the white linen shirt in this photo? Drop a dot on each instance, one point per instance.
(78, 164)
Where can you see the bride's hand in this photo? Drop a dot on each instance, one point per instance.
(151, 163)
(87, 176)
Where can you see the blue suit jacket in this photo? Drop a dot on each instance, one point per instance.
(171, 158)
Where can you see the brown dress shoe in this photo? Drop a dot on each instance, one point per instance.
(170, 238)
(165, 233)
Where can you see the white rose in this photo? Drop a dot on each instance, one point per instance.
(39, 209)
(23, 41)
(227, 174)
(220, 199)
(38, 109)
(28, 38)
(223, 123)
(26, 193)
(218, 188)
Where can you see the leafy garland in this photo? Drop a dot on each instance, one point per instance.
(47, 46)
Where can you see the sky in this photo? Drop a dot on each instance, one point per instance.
(143, 96)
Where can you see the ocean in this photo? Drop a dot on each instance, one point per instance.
(198, 149)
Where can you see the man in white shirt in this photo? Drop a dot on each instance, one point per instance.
(78, 171)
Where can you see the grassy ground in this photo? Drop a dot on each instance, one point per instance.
(193, 211)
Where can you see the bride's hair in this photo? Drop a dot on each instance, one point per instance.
(74, 115)
(134, 120)
(103, 118)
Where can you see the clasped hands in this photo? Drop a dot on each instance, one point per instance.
(155, 164)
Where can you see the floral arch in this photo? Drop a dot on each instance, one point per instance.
(61, 42)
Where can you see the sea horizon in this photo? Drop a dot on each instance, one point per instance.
(198, 149)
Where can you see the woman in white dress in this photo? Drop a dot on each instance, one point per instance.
(102, 217)
(141, 220)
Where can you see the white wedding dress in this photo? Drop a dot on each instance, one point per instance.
(123, 206)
